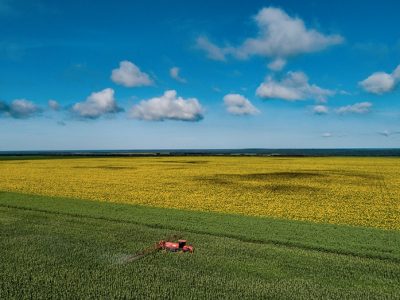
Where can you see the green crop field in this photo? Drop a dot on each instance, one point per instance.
(283, 228)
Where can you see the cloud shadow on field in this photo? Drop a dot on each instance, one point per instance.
(354, 174)
(106, 167)
(277, 175)
(279, 182)
(359, 175)
(185, 161)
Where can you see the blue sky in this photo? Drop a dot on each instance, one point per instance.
(190, 74)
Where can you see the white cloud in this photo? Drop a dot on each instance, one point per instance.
(97, 105)
(327, 135)
(53, 104)
(22, 108)
(320, 109)
(293, 87)
(216, 89)
(129, 75)
(388, 133)
(277, 64)
(357, 108)
(213, 52)
(381, 82)
(385, 133)
(237, 104)
(396, 73)
(174, 73)
(378, 83)
(283, 36)
(279, 36)
(168, 107)
(19, 109)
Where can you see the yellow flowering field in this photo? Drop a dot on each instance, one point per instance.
(354, 191)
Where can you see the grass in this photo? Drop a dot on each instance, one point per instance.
(66, 248)
(352, 191)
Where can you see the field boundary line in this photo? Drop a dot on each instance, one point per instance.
(277, 243)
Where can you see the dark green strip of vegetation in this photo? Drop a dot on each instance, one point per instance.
(339, 239)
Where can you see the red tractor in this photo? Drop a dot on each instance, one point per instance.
(180, 246)
(164, 245)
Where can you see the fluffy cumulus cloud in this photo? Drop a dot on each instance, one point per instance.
(280, 36)
(129, 75)
(381, 82)
(22, 108)
(19, 109)
(237, 104)
(357, 108)
(174, 73)
(53, 104)
(293, 87)
(320, 109)
(97, 104)
(168, 107)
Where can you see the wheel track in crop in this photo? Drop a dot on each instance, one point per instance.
(277, 243)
